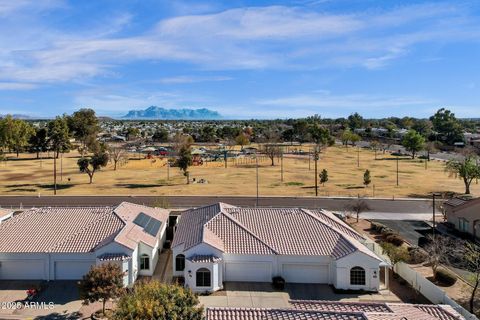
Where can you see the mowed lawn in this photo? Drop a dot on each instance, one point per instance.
(28, 175)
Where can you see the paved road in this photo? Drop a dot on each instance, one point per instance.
(376, 205)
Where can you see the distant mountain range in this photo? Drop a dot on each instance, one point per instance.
(155, 112)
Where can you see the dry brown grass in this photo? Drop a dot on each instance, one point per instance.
(148, 177)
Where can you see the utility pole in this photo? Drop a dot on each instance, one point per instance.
(256, 162)
(397, 171)
(281, 165)
(168, 170)
(225, 157)
(316, 170)
(61, 166)
(54, 173)
(358, 157)
(433, 215)
(309, 156)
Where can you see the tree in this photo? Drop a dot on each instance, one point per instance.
(349, 136)
(355, 121)
(132, 133)
(207, 134)
(242, 140)
(467, 169)
(161, 135)
(183, 147)
(439, 250)
(394, 253)
(447, 126)
(93, 164)
(272, 151)
(323, 177)
(413, 142)
(321, 135)
(101, 283)
(366, 178)
(375, 145)
(83, 124)
(470, 258)
(39, 141)
(155, 300)
(20, 133)
(430, 147)
(118, 156)
(357, 206)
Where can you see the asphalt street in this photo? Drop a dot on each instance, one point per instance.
(384, 206)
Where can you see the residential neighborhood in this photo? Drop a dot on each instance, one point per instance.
(239, 160)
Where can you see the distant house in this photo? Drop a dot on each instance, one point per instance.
(464, 214)
(221, 243)
(63, 243)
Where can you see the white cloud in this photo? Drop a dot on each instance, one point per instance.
(193, 79)
(17, 86)
(275, 37)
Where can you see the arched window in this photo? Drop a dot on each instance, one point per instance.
(144, 262)
(180, 262)
(357, 276)
(203, 278)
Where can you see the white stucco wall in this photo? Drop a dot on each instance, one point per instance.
(216, 274)
(360, 259)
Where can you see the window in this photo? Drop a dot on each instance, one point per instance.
(203, 278)
(144, 262)
(357, 276)
(180, 262)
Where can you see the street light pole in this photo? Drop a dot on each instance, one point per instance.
(316, 171)
(358, 157)
(256, 162)
(397, 171)
(281, 165)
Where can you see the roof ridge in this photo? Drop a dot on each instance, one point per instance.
(88, 226)
(324, 213)
(229, 216)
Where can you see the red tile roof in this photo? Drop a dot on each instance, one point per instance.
(286, 231)
(276, 314)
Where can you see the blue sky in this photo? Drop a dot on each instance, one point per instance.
(260, 59)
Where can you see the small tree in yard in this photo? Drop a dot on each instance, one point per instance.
(357, 206)
(101, 283)
(90, 166)
(272, 151)
(323, 177)
(438, 251)
(467, 169)
(155, 300)
(394, 253)
(470, 257)
(366, 178)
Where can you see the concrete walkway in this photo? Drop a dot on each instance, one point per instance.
(262, 295)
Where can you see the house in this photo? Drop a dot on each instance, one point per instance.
(338, 310)
(464, 214)
(62, 243)
(221, 242)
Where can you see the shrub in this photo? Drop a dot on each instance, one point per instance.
(394, 239)
(445, 277)
(416, 255)
(278, 283)
(376, 227)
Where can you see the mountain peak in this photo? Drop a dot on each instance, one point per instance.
(154, 112)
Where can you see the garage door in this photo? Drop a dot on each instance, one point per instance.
(250, 272)
(71, 270)
(22, 269)
(305, 273)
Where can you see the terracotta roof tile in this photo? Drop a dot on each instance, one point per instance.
(203, 258)
(276, 314)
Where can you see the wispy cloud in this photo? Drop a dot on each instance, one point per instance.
(17, 86)
(193, 79)
(273, 37)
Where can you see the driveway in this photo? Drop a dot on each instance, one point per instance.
(262, 295)
(58, 300)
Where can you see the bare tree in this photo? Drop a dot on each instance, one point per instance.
(357, 206)
(470, 258)
(118, 156)
(439, 251)
(272, 151)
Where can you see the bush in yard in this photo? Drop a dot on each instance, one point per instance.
(395, 254)
(101, 283)
(445, 277)
(155, 300)
(417, 255)
(376, 227)
(394, 239)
